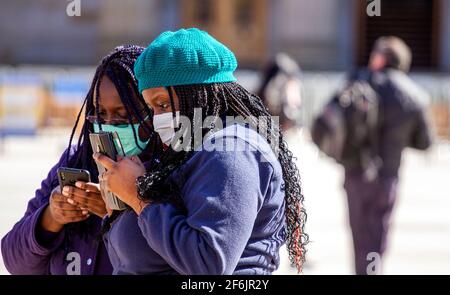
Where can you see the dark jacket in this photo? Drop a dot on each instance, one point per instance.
(235, 220)
(28, 249)
(402, 119)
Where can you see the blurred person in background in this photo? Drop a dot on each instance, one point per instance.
(58, 223)
(366, 128)
(281, 90)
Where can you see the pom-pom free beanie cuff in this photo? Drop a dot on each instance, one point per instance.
(184, 57)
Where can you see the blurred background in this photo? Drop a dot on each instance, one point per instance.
(47, 59)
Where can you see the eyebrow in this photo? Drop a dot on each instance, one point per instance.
(160, 96)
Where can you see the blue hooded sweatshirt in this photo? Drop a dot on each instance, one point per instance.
(234, 194)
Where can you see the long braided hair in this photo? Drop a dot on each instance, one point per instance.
(229, 99)
(118, 67)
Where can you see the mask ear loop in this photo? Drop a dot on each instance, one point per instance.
(172, 106)
(148, 129)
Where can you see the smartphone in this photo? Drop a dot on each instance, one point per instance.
(108, 143)
(69, 176)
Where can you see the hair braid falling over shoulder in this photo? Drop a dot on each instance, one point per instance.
(231, 99)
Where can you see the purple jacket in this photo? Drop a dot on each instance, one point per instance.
(28, 249)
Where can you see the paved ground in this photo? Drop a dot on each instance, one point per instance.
(420, 239)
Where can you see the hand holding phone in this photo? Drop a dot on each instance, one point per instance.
(108, 144)
(80, 192)
(120, 178)
(87, 196)
(59, 212)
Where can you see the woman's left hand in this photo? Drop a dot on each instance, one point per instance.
(120, 179)
(87, 197)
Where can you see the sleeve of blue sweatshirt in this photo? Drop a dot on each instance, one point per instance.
(223, 195)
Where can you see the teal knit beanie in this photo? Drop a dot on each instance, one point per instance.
(184, 57)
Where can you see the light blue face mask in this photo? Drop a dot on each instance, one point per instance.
(125, 133)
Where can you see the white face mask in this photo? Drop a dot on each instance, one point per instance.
(163, 124)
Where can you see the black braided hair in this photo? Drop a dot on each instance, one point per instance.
(118, 67)
(229, 99)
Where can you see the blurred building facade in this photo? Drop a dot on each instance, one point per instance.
(325, 37)
(319, 34)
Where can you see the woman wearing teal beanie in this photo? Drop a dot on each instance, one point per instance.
(203, 209)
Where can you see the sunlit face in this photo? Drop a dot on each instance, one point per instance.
(111, 109)
(110, 104)
(159, 100)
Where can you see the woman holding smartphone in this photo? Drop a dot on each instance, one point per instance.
(223, 205)
(60, 231)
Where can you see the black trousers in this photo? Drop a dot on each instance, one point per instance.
(370, 206)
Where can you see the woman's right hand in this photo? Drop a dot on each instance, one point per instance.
(59, 212)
